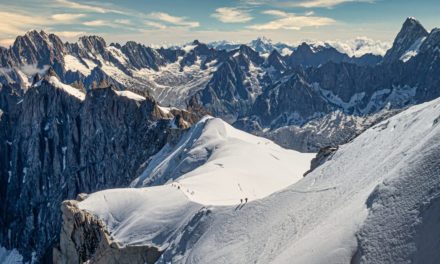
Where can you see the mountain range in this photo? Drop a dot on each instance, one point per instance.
(89, 116)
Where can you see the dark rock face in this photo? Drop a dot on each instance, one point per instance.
(54, 145)
(227, 93)
(276, 61)
(322, 156)
(411, 32)
(36, 48)
(141, 56)
(308, 56)
(84, 238)
(288, 102)
(304, 55)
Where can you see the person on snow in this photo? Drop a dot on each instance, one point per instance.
(245, 200)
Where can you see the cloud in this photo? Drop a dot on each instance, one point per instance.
(291, 21)
(126, 22)
(303, 3)
(67, 17)
(31, 69)
(327, 3)
(174, 20)
(6, 42)
(155, 25)
(88, 8)
(69, 34)
(277, 13)
(14, 22)
(231, 15)
(96, 23)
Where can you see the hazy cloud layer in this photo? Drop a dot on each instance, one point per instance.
(232, 15)
(293, 21)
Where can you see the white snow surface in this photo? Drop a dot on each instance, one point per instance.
(130, 95)
(73, 64)
(317, 219)
(226, 165)
(136, 216)
(213, 166)
(413, 50)
(375, 191)
(67, 88)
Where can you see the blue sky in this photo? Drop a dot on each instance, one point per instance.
(180, 21)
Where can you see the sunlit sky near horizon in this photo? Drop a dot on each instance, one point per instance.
(180, 21)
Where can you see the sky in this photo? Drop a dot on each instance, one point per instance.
(167, 22)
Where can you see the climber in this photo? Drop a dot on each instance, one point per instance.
(245, 199)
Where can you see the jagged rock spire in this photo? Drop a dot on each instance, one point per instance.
(412, 31)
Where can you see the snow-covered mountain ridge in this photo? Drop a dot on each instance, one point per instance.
(213, 166)
(226, 167)
(356, 47)
(383, 182)
(238, 81)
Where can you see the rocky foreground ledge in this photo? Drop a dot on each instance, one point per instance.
(84, 238)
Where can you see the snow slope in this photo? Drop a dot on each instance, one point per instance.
(375, 201)
(137, 216)
(374, 190)
(224, 165)
(53, 80)
(216, 164)
(413, 50)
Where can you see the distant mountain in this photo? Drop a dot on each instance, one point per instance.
(353, 48)
(407, 42)
(304, 94)
(244, 80)
(225, 82)
(261, 45)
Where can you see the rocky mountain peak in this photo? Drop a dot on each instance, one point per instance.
(262, 44)
(276, 60)
(201, 48)
(246, 49)
(304, 47)
(274, 54)
(411, 29)
(411, 32)
(92, 43)
(34, 34)
(36, 47)
(412, 22)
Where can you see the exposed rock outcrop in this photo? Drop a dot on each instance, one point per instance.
(84, 238)
(323, 155)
